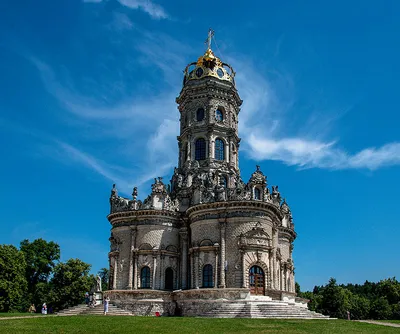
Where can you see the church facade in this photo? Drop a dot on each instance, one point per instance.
(206, 234)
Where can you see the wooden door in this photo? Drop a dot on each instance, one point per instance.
(256, 280)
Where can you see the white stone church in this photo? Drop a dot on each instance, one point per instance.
(207, 238)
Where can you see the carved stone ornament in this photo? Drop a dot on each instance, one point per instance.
(255, 238)
(258, 177)
(158, 187)
(285, 207)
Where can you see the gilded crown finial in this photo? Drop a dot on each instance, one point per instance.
(209, 37)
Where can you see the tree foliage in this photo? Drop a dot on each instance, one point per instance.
(13, 284)
(69, 283)
(41, 257)
(33, 275)
(364, 301)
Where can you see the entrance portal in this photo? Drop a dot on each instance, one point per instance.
(256, 280)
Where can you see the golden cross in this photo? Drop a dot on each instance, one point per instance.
(208, 40)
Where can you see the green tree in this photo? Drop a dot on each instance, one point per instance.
(69, 283)
(380, 309)
(359, 307)
(390, 290)
(41, 257)
(297, 288)
(13, 283)
(103, 273)
(335, 300)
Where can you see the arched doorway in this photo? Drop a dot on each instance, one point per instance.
(169, 279)
(256, 280)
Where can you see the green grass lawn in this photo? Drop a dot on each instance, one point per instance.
(121, 324)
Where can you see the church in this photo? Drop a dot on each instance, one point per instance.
(207, 237)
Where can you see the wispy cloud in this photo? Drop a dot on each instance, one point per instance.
(142, 130)
(147, 6)
(269, 133)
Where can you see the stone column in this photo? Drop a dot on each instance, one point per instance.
(154, 271)
(191, 269)
(242, 254)
(212, 145)
(226, 152)
(230, 150)
(115, 273)
(271, 270)
(183, 234)
(275, 282)
(222, 252)
(196, 267)
(131, 255)
(188, 151)
(162, 272)
(158, 284)
(135, 270)
(216, 269)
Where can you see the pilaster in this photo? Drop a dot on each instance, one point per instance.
(222, 226)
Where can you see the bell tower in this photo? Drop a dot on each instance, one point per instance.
(209, 106)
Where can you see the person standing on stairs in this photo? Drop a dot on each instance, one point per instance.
(106, 302)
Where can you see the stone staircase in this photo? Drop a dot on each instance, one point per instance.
(267, 309)
(83, 309)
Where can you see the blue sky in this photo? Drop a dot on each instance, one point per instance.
(87, 98)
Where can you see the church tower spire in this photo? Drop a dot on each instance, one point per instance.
(209, 106)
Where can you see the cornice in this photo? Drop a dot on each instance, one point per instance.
(234, 205)
(138, 214)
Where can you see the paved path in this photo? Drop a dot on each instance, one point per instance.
(391, 324)
(24, 317)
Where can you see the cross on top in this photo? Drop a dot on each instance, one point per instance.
(208, 40)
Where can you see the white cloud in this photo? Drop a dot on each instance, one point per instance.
(147, 6)
(314, 154)
(154, 10)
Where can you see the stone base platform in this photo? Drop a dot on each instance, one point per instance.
(216, 303)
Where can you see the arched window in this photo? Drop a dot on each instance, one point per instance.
(219, 115)
(208, 276)
(257, 194)
(145, 278)
(169, 279)
(200, 114)
(200, 149)
(219, 149)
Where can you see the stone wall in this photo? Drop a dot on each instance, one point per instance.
(143, 302)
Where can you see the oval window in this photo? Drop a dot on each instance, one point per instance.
(220, 72)
(199, 72)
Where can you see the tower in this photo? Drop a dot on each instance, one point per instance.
(209, 106)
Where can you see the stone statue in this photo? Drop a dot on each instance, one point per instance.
(180, 181)
(134, 193)
(98, 283)
(114, 191)
(209, 180)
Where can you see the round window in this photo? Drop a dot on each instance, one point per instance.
(220, 72)
(199, 72)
